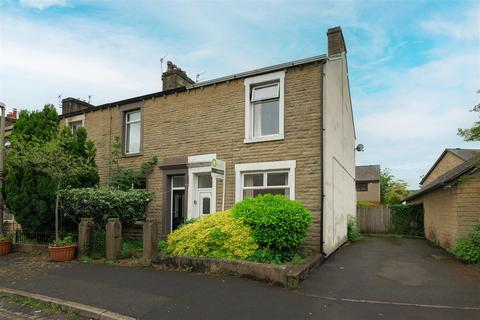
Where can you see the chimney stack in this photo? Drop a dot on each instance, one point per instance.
(336, 43)
(71, 105)
(175, 77)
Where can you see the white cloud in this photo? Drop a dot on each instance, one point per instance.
(465, 26)
(43, 4)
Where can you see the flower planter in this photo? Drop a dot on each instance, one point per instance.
(63, 253)
(5, 247)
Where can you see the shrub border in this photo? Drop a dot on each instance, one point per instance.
(286, 275)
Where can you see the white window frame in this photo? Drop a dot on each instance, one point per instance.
(198, 165)
(265, 167)
(251, 82)
(71, 123)
(78, 118)
(127, 123)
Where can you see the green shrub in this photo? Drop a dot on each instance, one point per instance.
(218, 235)
(162, 247)
(66, 241)
(407, 219)
(267, 255)
(103, 203)
(352, 230)
(277, 223)
(468, 248)
(132, 248)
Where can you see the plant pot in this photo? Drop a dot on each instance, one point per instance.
(64, 253)
(5, 247)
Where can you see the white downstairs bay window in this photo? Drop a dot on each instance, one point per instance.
(253, 179)
(264, 107)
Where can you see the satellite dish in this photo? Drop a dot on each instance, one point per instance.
(360, 148)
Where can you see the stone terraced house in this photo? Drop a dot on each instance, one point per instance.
(285, 129)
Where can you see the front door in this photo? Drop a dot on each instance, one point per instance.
(177, 201)
(204, 195)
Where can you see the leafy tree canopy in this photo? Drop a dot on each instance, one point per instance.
(41, 159)
(473, 133)
(392, 191)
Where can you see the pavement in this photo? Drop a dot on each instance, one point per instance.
(16, 311)
(376, 278)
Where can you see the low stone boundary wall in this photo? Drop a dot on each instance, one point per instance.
(286, 275)
(30, 247)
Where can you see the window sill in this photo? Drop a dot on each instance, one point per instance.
(264, 139)
(129, 155)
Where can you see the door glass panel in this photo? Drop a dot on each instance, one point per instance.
(206, 205)
(253, 180)
(177, 208)
(205, 181)
(277, 179)
(178, 181)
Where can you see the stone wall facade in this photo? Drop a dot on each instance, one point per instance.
(452, 212)
(211, 120)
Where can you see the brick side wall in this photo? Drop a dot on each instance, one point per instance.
(440, 219)
(212, 120)
(468, 204)
(448, 162)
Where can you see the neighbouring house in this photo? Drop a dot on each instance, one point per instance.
(367, 181)
(284, 129)
(450, 193)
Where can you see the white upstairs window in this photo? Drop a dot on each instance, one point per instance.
(264, 107)
(133, 131)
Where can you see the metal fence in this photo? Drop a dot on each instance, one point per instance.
(47, 237)
(97, 247)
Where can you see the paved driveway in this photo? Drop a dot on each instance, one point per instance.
(376, 278)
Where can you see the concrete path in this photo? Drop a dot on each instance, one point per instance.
(376, 278)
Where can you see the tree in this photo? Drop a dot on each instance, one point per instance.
(37, 144)
(392, 191)
(473, 133)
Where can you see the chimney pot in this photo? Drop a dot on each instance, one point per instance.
(175, 77)
(336, 42)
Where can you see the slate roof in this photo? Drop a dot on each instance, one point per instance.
(367, 173)
(449, 177)
(464, 154)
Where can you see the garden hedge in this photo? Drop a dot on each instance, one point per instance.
(407, 219)
(103, 203)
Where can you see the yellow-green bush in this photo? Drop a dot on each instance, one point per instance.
(218, 235)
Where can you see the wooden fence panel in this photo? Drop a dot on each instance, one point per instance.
(373, 219)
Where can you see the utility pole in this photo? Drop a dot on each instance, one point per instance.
(2, 155)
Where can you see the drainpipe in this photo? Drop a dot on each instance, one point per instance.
(2, 154)
(322, 165)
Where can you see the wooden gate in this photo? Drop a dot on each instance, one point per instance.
(374, 219)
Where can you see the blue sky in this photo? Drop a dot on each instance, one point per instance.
(414, 66)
